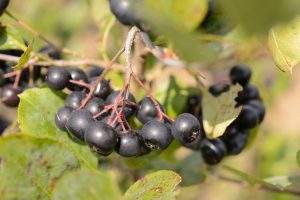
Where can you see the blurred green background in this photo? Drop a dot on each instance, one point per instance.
(79, 25)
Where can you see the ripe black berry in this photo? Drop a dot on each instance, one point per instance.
(94, 71)
(186, 128)
(213, 151)
(131, 144)
(101, 138)
(260, 108)
(103, 89)
(62, 116)
(74, 99)
(51, 52)
(248, 117)
(124, 10)
(95, 105)
(248, 93)
(9, 95)
(218, 89)
(77, 75)
(240, 74)
(194, 104)
(146, 110)
(78, 123)
(235, 140)
(3, 5)
(58, 78)
(156, 135)
(196, 144)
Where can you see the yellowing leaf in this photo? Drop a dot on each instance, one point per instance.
(24, 57)
(219, 112)
(284, 43)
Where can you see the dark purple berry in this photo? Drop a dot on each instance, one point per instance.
(213, 151)
(194, 104)
(259, 107)
(2, 79)
(101, 138)
(78, 123)
(156, 135)
(94, 71)
(77, 75)
(103, 89)
(62, 116)
(248, 117)
(248, 93)
(147, 110)
(74, 99)
(218, 89)
(3, 5)
(186, 128)
(235, 140)
(58, 78)
(95, 105)
(51, 52)
(240, 74)
(131, 144)
(196, 144)
(9, 95)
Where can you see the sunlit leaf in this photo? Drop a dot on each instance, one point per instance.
(284, 42)
(219, 112)
(24, 57)
(160, 185)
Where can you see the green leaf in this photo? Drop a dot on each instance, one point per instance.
(219, 112)
(284, 43)
(24, 57)
(298, 158)
(36, 115)
(85, 185)
(257, 16)
(30, 166)
(10, 38)
(160, 185)
(188, 14)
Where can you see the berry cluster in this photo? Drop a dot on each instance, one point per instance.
(13, 83)
(235, 138)
(102, 123)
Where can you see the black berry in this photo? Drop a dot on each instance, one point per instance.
(213, 151)
(3, 5)
(131, 144)
(218, 89)
(77, 75)
(156, 135)
(194, 104)
(95, 105)
(74, 99)
(147, 110)
(51, 52)
(248, 117)
(101, 138)
(94, 71)
(259, 107)
(186, 128)
(78, 123)
(62, 116)
(103, 89)
(58, 78)
(9, 95)
(248, 93)
(235, 140)
(196, 144)
(240, 74)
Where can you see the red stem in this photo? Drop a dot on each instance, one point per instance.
(80, 83)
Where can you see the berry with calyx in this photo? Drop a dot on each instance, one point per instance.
(147, 110)
(218, 89)
(9, 95)
(124, 11)
(78, 123)
(213, 151)
(248, 93)
(248, 117)
(240, 74)
(186, 128)
(95, 105)
(2, 79)
(131, 144)
(103, 89)
(101, 138)
(58, 78)
(156, 135)
(3, 5)
(74, 99)
(62, 116)
(94, 71)
(196, 144)
(260, 108)
(77, 75)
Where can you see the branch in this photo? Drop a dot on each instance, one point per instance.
(261, 187)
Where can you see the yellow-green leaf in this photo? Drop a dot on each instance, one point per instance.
(284, 43)
(219, 112)
(24, 57)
